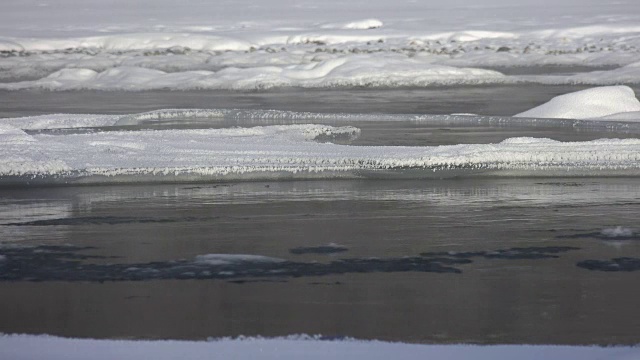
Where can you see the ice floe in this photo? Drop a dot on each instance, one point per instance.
(290, 152)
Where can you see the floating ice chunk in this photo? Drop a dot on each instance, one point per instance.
(287, 152)
(233, 259)
(585, 104)
(529, 141)
(355, 25)
(617, 232)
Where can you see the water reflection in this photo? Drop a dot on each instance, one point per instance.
(532, 296)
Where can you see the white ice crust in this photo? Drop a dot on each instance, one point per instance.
(19, 347)
(290, 152)
(606, 102)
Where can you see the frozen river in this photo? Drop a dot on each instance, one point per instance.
(516, 260)
(434, 174)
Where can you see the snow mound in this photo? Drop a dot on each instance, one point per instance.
(364, 70)
(233, 259)
(586, 104)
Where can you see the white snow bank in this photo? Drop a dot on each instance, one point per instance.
(355, 70)
(617, 232)
(585, 104)
(195, 35)
(231, 259)
(30, 347)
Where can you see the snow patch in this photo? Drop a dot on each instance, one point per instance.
(617, 232)
(589, 103)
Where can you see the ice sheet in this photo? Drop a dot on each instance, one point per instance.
(290, 152)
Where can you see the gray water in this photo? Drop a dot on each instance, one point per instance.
(474, 261)
(504, 299)
(485, 100)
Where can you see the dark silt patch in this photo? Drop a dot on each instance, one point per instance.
(323, 249)
(517, 253)
(617, 264)
(64, 264)
(67, 263)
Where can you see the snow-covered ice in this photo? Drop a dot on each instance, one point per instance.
(356, 70)
(101, 155)
(23, 347)
(290, 152)
(599, 102)
(258, 45)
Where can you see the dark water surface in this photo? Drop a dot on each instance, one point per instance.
(522, 240)
(484, 100)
